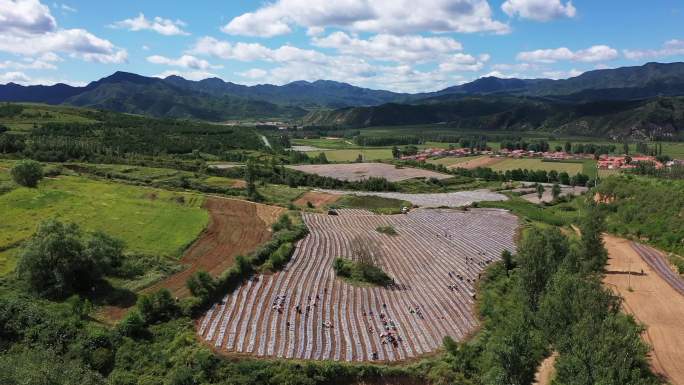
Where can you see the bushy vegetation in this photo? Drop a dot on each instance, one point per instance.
(362, 268)
(388, 230)
(645, 208)
(27, 173)
(59, 260)
(361, 272)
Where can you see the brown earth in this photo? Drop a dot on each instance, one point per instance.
(484, 161)
(317, 199)
(653, 302)
(546, 370)
(235, 227)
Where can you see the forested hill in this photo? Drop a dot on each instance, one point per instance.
(662, 117)
(216, 100)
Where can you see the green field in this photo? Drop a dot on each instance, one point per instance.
(37, 114)
(149, 221)
(537, 164)
(350, 155)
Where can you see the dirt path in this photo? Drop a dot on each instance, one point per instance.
(235, 227)
(546, 370)
(652, 301)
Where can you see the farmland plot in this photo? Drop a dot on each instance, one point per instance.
(306, 312)
(360, 171)
(450, 199)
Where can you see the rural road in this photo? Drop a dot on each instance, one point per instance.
(657, 261)
(652, 300)
(265, 139)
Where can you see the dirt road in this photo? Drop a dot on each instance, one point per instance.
(653, 301)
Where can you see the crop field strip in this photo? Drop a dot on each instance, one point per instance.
(450, 199)
(342, 322)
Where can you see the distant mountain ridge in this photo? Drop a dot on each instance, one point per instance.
(216, 100)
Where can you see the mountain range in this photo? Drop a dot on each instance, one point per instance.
(485, 102)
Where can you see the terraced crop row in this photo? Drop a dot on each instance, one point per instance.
(305, 312)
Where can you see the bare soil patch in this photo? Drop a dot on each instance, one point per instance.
(546, 370)
(653, 301)
(485, 161)
(235, 227)
(361, 171)
(317, 199)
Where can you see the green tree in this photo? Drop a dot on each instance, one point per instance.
(396, 153)
(555, 191)
(53, 262)
(27, 173)
(158, 307)
(539, 257)
(540, 190)
(201, 284)
(593, 254)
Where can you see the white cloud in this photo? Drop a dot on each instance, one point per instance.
(14, 77)
(380, 16)
(27, 28)
(254, 73)
(25, 17)
(406, 48)
(595, 53)
(45, 62)
(463, 62)
(185, 61)
(75, 42)
(254, 51)
(540, 10)
(561, 74)
(67, 8)
(160, 25)
(672, 47)
(190, 75)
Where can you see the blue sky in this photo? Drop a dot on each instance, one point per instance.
(399, 45)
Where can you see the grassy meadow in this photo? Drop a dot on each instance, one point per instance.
(537, 164)
(149, 221)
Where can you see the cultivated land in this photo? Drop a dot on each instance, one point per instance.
(236, 227)
(350, 155)
(652, 300)
(150, 221)
(317, 199)
(536, 164)
(451, 199)
(432, 249)
(360, 171)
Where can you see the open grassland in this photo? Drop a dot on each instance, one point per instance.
(376, 204)
(432, 250)
(149, 221)
(452, 161)
(537, 164)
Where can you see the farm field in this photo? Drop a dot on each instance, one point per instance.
(450, 199)
(37, 114)
(350, 155)
(537, 164)
(317, 199)
(360, 171)
(235, 227)
(652, 301)
(344, 322)
(150, 221)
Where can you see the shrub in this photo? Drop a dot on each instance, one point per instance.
(389, 230)
(158, 307)
(27, 173)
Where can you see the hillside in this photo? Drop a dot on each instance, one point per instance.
(216, 100)
(661, 116)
